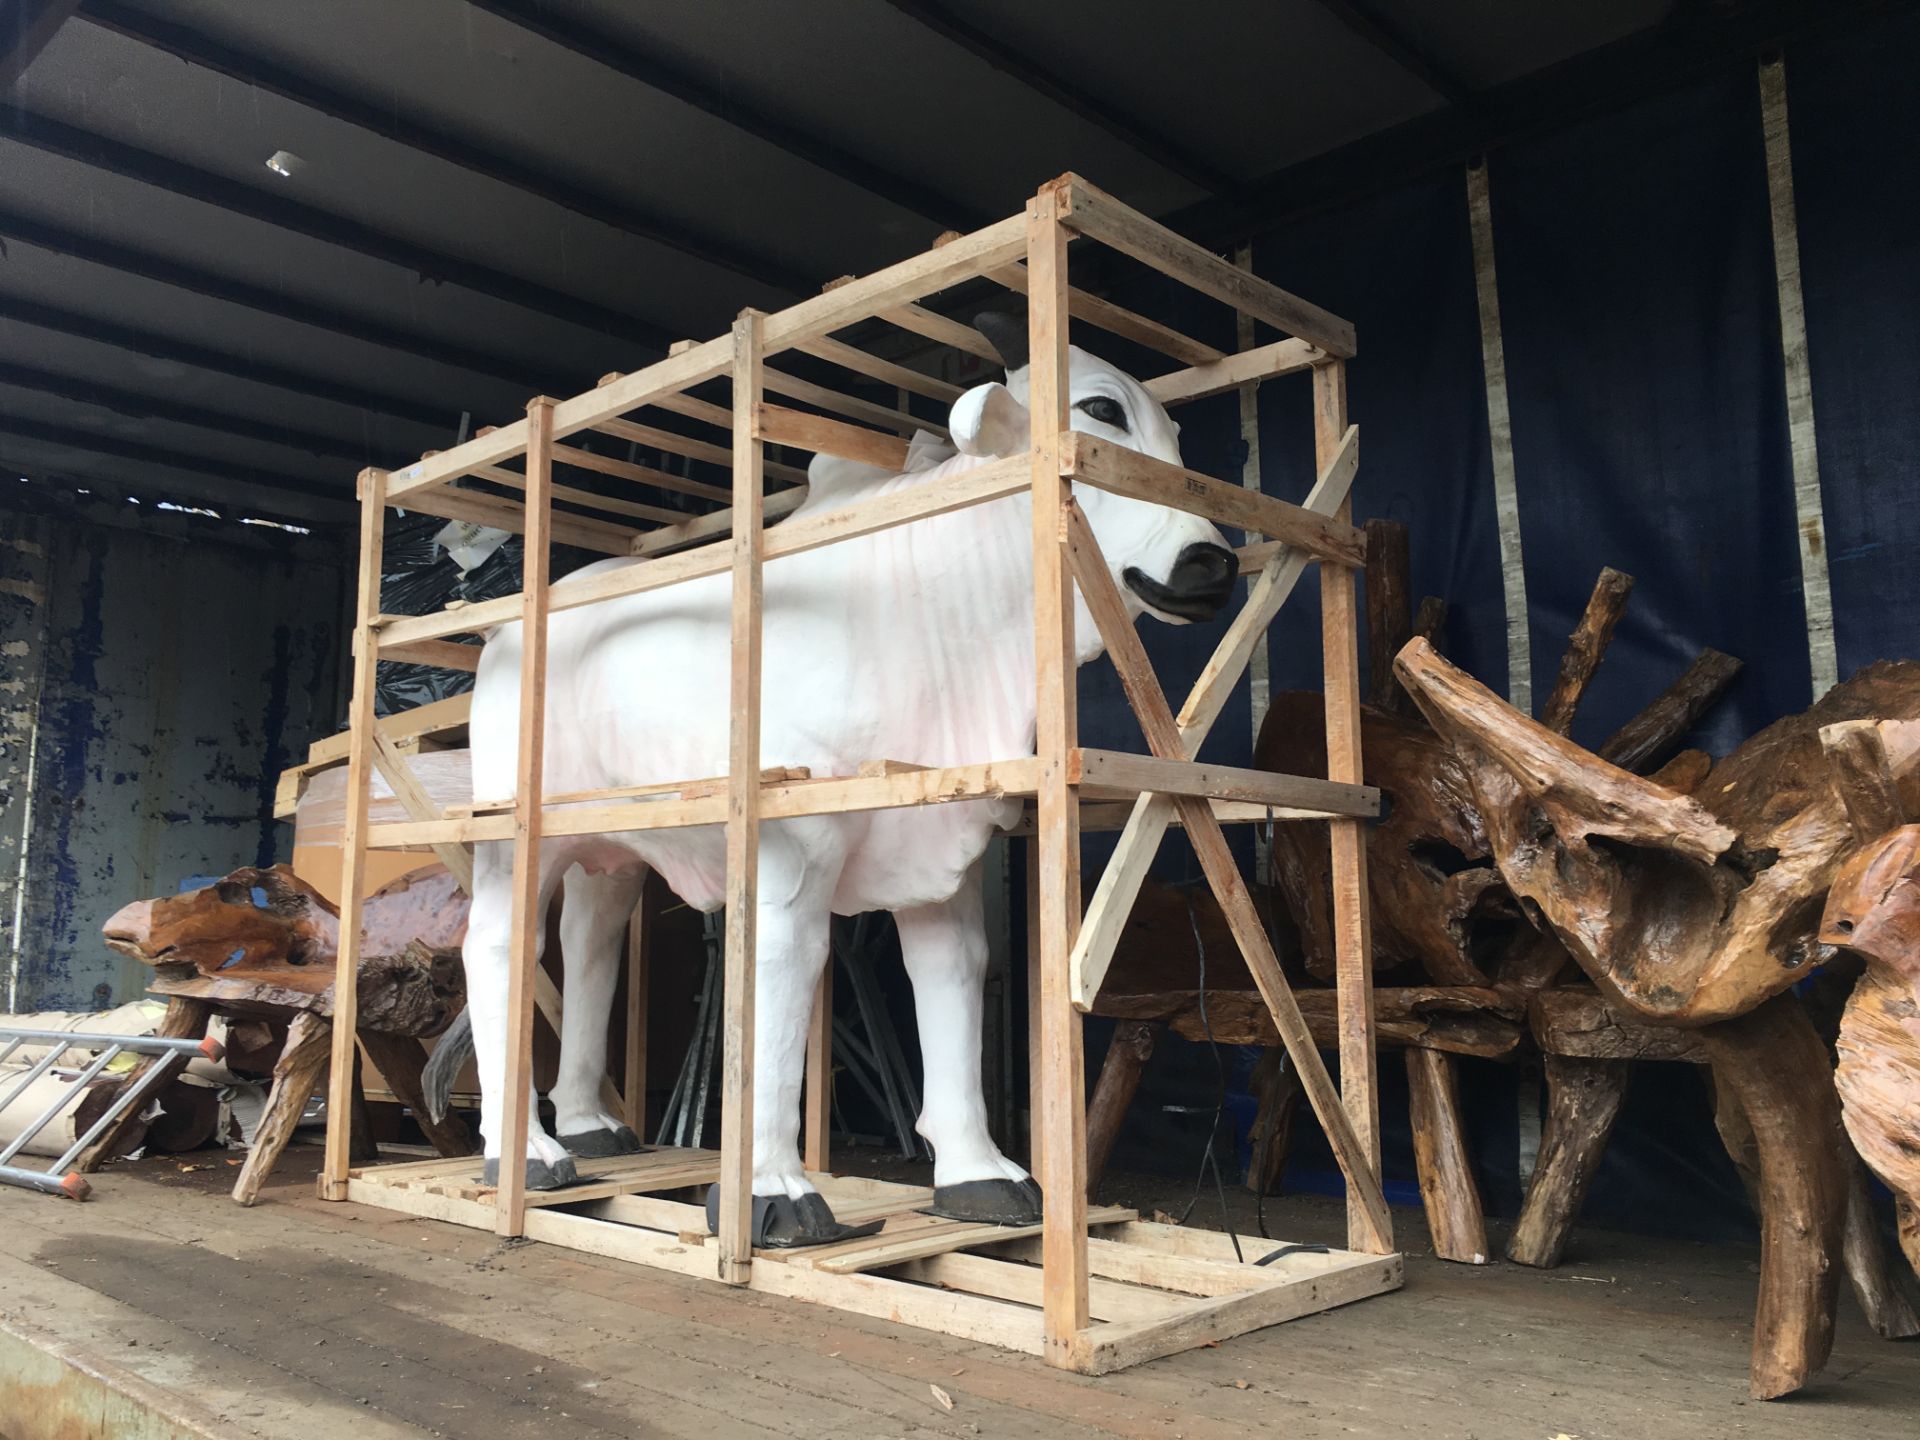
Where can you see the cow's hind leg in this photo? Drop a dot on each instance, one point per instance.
(796, 891)
(945, 947)
(594, 910)
(489, 923)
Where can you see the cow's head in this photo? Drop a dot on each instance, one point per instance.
(1170, 563)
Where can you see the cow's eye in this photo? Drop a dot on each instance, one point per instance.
(1106, 410)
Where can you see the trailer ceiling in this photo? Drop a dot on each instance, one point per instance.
(503, 197)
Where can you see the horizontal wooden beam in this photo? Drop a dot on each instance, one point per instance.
(901, 377)
(1107, 466)
(601, 536)
(1117, 320)
(1263, 362)
(698, 531)
(854, 408)
(784, 800)
(931, 325)
(1101, 773)
(993, 481)
(1092, 212)
(780, 426)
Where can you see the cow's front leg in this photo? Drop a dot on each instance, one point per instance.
(489, 923)
(796, 891)
(945, 947)
(594, 911)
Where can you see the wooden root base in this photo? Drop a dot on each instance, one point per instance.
(1153, 1289)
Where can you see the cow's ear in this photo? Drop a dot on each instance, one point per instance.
(988, 421)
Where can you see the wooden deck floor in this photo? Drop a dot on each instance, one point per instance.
(310, 1320)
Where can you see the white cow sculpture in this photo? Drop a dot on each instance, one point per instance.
(913, 644)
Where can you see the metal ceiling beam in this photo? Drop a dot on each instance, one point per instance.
(598, 46)
(99, 152)
(25, 28)
(1165, 152)
(269, 302)
(145, 454)
(147, 407)
(1383, 36)
(1694, 42)
(196, 48)
(200, 357)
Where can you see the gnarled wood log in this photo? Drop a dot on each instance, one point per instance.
(1437, 901)
(1874, 908)
(276, 958)
(1684, 911)
(1773, 1067)
(1455, 1218)
(1583, 1102)
(1120, 1072)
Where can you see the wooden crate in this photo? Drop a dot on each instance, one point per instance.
(1027, 253)
(1152, 1289)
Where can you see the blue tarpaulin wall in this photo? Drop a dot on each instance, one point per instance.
(1642, 336)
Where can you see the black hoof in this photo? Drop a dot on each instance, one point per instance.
(599, 1144)
(988, 1202)
(540, 1175)
(781, 1223)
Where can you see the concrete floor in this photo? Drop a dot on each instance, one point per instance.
(300, 1319)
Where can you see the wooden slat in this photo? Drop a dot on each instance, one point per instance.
(633, 1089)
(1197, 382)
(854, 408)
(901, 377)
(687, 533)
(925, 322)
(1352, 922)
(935, 269)
(1096, 214)
(1062, 1067)
(1116, 1346)
(528, 921)
(353, 839)
(951, 1312)
(735, 1226)
(1110, 770)
(1120, 882)
(603, 537)
(609, 504)
(816, 1130)
(1115, 320)
(778, 425)
(977, 1275)
(1107, 466)
(1149, 705)
(995, 480)
(582, 459)
(879, 1251)
(443, 654)
(830, 795)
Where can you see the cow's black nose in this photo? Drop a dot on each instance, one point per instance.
(1201, 582)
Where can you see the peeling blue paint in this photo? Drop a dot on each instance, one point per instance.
(184, 670)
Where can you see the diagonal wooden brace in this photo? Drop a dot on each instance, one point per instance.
(1166, 739)
(1120, 883)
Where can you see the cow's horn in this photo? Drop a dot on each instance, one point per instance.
(1007, 334)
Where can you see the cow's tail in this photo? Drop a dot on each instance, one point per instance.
(449, 1057)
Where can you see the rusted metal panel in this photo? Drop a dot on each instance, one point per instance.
(183, 664)
(51, 1391)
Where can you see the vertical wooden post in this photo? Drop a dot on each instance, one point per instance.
(1063, 1077)
(353, 839)
(528, 924)
(735, 1245)
(817, 1135)
(1036, 1090)
(1353, 942)
(634, 1091)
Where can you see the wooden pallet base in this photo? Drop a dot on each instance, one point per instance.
(1153, 1289)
